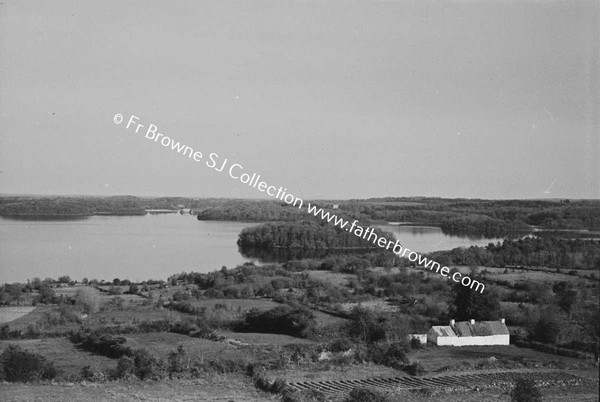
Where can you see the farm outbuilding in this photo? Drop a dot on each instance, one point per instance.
(468, 333)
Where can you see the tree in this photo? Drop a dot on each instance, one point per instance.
(525, 390)
(114, 290)
(133, 289)
(64, 279)
(88, 299)
(46, 293)
(468, 304)
(547, 328)
(18, 365)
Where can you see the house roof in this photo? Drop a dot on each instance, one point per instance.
(465, 328)
(443, 330)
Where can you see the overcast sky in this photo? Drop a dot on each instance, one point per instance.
(330, 99)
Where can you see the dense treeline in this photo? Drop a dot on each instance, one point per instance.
(531, 252)
(305, 235)
(252, 211)
(116, 205)
(468, 215)
(70, 206)
(491, 218)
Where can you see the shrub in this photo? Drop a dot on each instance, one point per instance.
(125, 368)
(366, 325)
(340, 345)
(525, 390)
(263, 383)
(280, 320)
(177, 363)
(19, 365)
(366, 395)
(89, 374)
(415, 343)
(393, 355)
(547, 329)
(292, 395)
(147, 366)
(114, 290)
(415, 369)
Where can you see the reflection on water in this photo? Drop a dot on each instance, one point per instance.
(426, 239)
(108, 247)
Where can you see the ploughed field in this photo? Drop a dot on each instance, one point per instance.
(467, 380)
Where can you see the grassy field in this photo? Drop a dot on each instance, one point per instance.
(222, 388)
(66, 357)
(334, 278)
(136, 315)
(161, 344)
(538, 275)
(236, 305)
(265, 339)
(462, 358)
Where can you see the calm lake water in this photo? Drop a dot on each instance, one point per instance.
(147, 247)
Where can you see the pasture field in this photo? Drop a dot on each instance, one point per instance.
(259, 339)
(161, 344)
(538, 275)
(67, 358)
(445, 358)
(333, 278)
(377, 305)
(138, 314)
(9, 314)
(238, 387)
(236, 305)
(222, 388)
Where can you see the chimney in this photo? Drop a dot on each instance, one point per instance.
(472, 321)
(502, 320)
(452, 322)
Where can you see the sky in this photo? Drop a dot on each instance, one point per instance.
(493, 99)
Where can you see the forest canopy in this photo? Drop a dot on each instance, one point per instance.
(306, 235)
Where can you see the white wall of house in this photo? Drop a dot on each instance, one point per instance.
(470, 340)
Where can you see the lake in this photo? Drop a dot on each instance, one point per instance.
(148, 247)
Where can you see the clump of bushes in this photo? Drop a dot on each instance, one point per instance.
(279, 320)
(366, 395)
(88, 373)
(140, 364)
(293, 395)
(393, 355)
(196, 328)
(102, 344)
(275, 386)
(525, 390)
(415, 369)
(19, 365)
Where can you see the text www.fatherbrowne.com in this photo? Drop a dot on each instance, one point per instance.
(237, 172)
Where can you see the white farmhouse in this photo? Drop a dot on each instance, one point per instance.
(469, 333)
